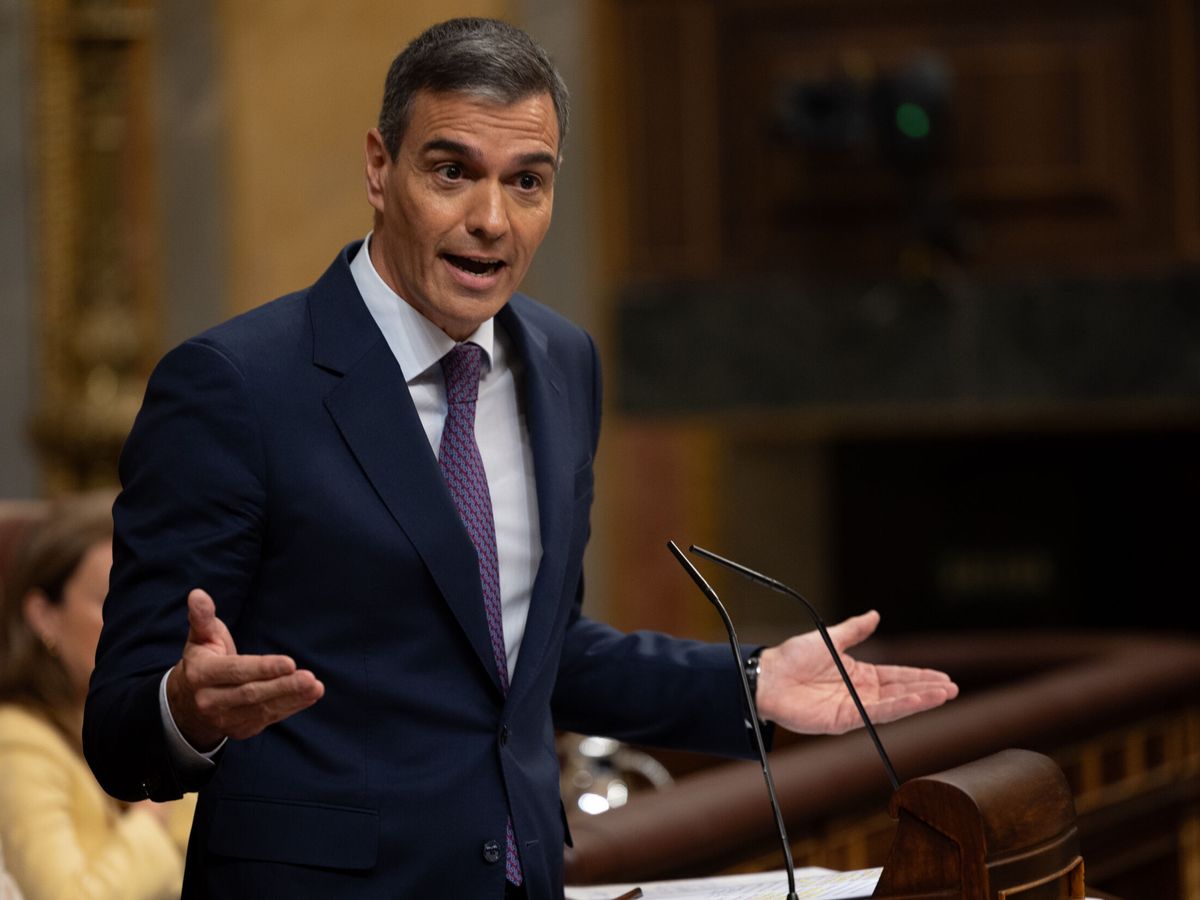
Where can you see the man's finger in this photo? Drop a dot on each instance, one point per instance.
(897, 674)
(899, 689)
(203, 625)
(854, 630)
(899, 707)
(230, 671)
(300, 686)
(243, 711)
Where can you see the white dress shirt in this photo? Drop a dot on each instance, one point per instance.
(500, 432)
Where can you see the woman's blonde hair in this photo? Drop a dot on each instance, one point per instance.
(49, 554)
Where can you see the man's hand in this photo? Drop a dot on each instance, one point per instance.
(799, 686)
(216, 693)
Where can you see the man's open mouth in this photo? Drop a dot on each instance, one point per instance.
(474, 266)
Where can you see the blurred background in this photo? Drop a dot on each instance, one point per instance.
(899, 300)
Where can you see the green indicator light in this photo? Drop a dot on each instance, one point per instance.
(912, 120)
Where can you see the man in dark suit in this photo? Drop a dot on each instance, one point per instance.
(361, 511)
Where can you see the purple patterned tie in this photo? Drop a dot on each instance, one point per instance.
(462, 467)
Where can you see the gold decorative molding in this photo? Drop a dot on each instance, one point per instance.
(1189, 855)
(97, 310)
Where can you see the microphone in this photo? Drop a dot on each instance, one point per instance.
(816, 618)
(751, 713)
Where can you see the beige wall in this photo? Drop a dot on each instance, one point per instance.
(302, 81)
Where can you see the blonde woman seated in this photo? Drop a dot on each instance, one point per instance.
(63, 837)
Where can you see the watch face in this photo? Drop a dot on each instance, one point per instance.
(753, 666)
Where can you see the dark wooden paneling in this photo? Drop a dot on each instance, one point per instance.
(1068, 142)
(1185, 84)
(1056, 145)
(670, 119)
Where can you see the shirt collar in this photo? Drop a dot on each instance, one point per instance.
(415, 341)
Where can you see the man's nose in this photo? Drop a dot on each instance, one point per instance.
(487, 216)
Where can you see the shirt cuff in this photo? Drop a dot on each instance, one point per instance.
(186, 758)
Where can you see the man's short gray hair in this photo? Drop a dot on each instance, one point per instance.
(480, 57)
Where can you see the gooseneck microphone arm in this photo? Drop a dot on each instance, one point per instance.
(751, 712)
(782, 588)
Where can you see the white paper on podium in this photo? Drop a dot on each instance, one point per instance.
(811, 884)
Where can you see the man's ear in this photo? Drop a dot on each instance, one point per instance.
(42, 617)
(378, 168)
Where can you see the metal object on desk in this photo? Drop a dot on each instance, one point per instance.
(599, 774)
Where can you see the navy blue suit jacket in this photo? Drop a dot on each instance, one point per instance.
(278, 462)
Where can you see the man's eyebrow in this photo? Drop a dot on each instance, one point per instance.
(539, 158)
(448, 146)
(458, 148)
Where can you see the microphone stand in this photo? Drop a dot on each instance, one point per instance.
(782, 588)
(751, 712)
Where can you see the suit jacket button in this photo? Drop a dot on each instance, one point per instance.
(491, 852)
(503, 735)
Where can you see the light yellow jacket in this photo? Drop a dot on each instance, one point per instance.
(64, 838)
(8, 887)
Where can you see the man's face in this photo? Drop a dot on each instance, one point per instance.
(461, 210)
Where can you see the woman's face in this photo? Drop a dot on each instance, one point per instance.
(72, 627)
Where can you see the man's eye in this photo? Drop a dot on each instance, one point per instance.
(451, 171)
(529, 182)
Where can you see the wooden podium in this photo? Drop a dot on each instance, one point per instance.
(1000, 828)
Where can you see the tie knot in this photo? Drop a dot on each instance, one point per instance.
(461, 367)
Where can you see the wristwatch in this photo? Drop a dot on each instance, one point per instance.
(753, 670)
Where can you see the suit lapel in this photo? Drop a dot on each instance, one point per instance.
(374, 412)
(545, 399)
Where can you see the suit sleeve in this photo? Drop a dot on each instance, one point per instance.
(651, 688)
(647, 687)
(190, 514)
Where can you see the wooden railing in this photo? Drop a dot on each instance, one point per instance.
(1120, 715)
